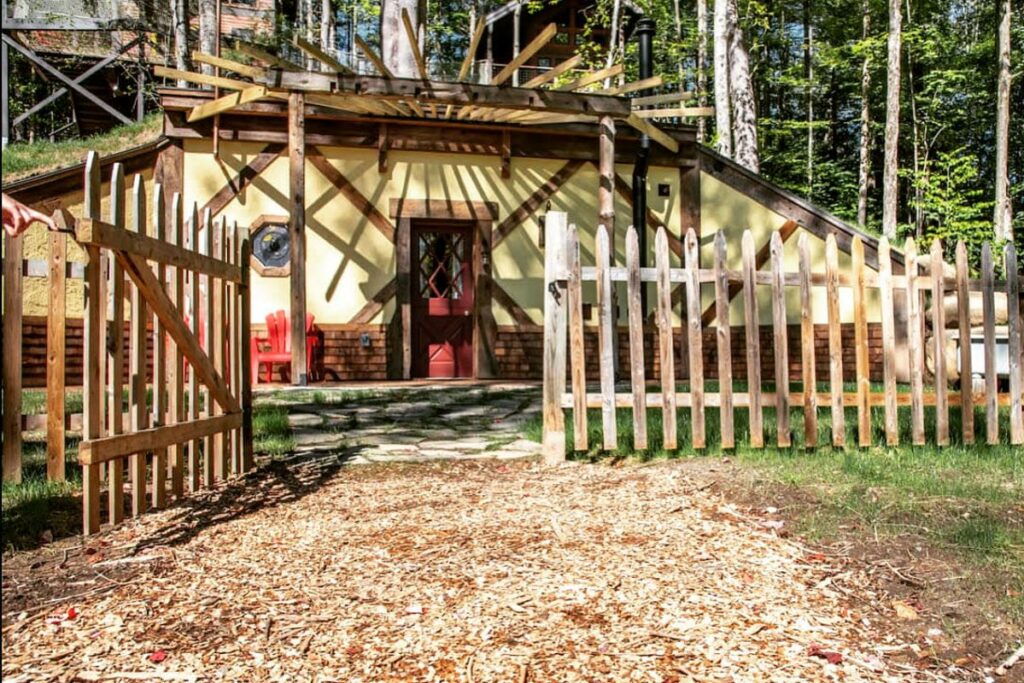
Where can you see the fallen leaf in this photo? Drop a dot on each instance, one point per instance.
(158, 656)
(905, 611)
(828, 655)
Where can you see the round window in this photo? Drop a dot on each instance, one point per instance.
(271, 245)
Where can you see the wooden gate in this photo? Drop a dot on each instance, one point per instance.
(189, 298)
(927, 279)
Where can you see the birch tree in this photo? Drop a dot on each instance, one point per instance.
(702, 64)
(864, 170)
(723, 112)
(741, 91)
(327, 36)
(1003, 209)
(395, 50)
(207, 30)
(179, 19)
(890, 182)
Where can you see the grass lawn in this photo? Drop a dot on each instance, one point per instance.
(25, 159)
(37, 510)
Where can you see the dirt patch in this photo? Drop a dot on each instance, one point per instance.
(952, 609)
(454, 571)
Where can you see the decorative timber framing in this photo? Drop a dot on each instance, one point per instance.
(376, 303)
(246, 176)
(536, 200)
(339, 181)
(485, 330)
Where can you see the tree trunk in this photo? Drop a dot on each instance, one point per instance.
(741, 89)
(723, 118)
(890, 182)
(702, 65)
(395, 50)
(809, 93)
(864, 174)
(207, 30)
(1003, 210)
(179, 17)
(327, 27)
(613, 39)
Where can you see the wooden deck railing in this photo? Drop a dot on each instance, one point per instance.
(564, 329)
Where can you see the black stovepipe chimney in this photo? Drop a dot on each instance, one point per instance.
(644, 35)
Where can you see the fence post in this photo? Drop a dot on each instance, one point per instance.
(245, 376)
(12, 359)
(1013, 322)
(55, 363)
(92, 381)
(554, 336)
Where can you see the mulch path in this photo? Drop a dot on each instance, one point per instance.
(464, 571)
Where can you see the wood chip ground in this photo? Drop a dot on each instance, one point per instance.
(461, 571)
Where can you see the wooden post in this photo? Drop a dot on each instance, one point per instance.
(780, 342)
(635, 316)
(206, 300)
(92, 380)
(939, 344)
(216, 312)
(245, 393)
(988, 308)
(115, 468)
(807, 346)
(835, 343)
(963, 304)
(159, 481)
(605, 330)
(195, 299)
(55, 362)
(753, 331)
(138, 357)
(665, 342)
(860, 336)
(1013, 321)
(297, 231)
(885, 290)
(235, 347)
(695, 343)
(12, 357)
(606, 216)
(578, 367)
(555, 305)
(176, 290)
(724, 339)
(914, 344)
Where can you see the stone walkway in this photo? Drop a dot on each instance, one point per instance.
(379, 425)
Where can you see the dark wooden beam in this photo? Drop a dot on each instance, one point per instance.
(351, 192)
(536, 200)
(246, 176)
(443, 209)
(169, 172)
(376, 303)
(47, 68)
(505, 300)
(382, 148)
(506, 154)
(297, 231)
(812, 218)
(458, 94)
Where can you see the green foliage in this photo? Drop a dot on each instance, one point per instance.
(952, 203)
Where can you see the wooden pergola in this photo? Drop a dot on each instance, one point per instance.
(563, 96)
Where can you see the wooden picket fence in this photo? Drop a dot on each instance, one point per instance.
(177, 436)
(564, 334)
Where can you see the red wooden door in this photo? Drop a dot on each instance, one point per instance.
(442, 301)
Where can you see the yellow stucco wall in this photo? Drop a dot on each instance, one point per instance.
(723, 208)
(348, 259)
(36, 247)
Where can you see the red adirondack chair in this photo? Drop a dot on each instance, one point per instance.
(276, 347)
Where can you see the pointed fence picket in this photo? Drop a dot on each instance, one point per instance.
(924, 284)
